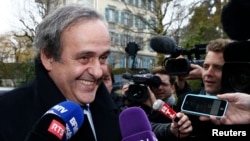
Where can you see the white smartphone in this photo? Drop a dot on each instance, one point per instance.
(204, 105)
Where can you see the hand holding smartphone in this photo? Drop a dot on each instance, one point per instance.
(204, 105)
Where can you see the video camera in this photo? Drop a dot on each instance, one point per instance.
(137, 91)
(181, 66)
(236, 70)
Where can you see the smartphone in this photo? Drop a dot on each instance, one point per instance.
(204, 105)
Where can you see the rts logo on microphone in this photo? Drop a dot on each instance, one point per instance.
(57, 129)
(168, 111)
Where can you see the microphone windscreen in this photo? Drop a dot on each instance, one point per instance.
(71, 113)
(62, 121)
(133, 121)
(140, 136)
(50, 127)
(234, 19)
(165, 109)
(163, 44)
(157, 104)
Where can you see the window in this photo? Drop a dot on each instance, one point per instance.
(125, 39)
(111, 60)
(151, 5)
(139, 22)
(127, 19)
(111, 15)
(139, 41)
(123, 61)
(114, 38)
(138, 3)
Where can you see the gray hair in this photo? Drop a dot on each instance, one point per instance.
(49, 31)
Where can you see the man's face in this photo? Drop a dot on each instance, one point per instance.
(86, 46)
(165, 90)
(212, 73)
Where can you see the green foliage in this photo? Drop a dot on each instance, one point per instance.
(28, 72)
(119, 70)
(195, 84)
(160, 58)
(125, 70)
(203, 26)
(19, 73)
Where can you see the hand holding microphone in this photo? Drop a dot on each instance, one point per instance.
(59, 123)
(181, 125)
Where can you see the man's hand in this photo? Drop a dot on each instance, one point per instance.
(238, 111)
(183, 127)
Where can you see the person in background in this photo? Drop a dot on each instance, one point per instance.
(166, 90)
(73, 45)
(163, 127)
(211, 74)
(211, 71)
(109, 81)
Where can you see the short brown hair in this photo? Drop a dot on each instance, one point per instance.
(217, 45)
(161, 70)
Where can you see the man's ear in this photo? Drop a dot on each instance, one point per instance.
(46, 60)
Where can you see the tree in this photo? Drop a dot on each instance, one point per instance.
(17, 52)
(160, 17)
(205, 24)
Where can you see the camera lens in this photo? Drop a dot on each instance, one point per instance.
(240, 80)
(137, 93)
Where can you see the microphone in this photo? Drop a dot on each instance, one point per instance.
(165, 109)
(59, 123)
(163, 44)
(167, 45)
(135, 126)
(234, 19)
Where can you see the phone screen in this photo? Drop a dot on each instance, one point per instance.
(202, 105)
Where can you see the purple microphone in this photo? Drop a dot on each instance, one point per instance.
(135, 125)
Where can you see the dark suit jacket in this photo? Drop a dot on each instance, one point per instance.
(21, 108)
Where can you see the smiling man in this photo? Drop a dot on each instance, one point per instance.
(73, 44)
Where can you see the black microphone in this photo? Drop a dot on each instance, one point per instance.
(167, 45)
(163, 44)
(234, 19)
(59, 123)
